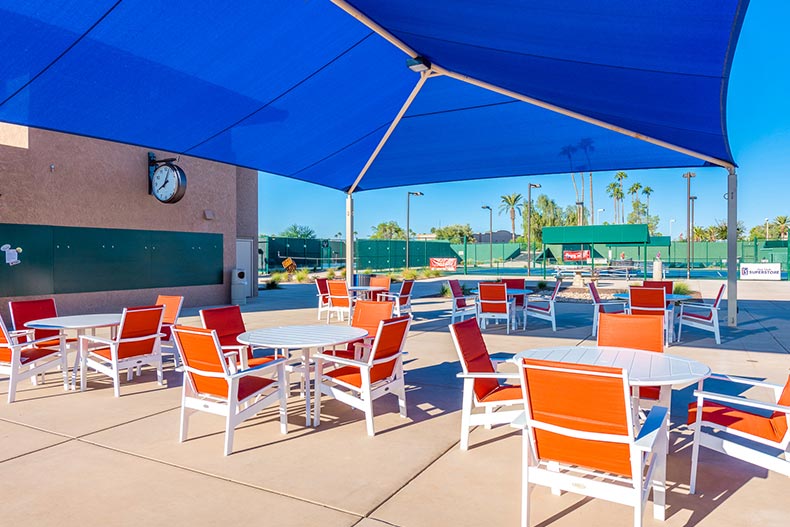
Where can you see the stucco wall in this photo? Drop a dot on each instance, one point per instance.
(73, 181)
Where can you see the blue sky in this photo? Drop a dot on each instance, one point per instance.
(758, 117)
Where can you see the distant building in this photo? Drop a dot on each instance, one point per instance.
(427, 236)
(499, 237)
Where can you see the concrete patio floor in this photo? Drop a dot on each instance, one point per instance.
(91, 459)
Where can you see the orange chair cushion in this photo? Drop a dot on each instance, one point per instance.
(772, 428)
(28, 355)
(251, 385)
(502, 394)
(347, 374)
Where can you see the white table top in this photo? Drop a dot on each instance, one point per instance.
(298, 337)
(670, 298)
(645, 368)
(367, 288)
(101, 320)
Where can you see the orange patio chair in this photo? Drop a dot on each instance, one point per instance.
(358, 383)
(701, 316)
(601, 306)
(745, 429)
(381, 281)
(481, 382)
(172, 305)
(23, 360)
(544, 309)
(367, 315)
(493, 304)
(517, 283)
(402, 298)
(137, 342)
(229, 324)
(651, 301)
(578, 436)
(24, 311)
(462, 305)
(641, 332)
(323, 295)
(341, 302)
(212, 383)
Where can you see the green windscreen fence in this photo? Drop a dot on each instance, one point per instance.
(44, 259)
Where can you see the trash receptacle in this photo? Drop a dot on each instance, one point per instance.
(658, 270)
(238, 287)
(362, 279)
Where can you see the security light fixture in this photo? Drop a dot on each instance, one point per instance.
(418, 64)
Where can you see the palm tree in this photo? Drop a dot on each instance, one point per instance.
(586, 145)
(611, 191)
(619, 195)
(511, 203)
(620, 176)
(782, 223)
(568, 151)
(647, 191)
(633, 190)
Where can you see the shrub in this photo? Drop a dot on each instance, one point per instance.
(302, 275)
(433, 273)
(343, 273)
(682, 288)
(542, 285)
(445, 291)
(330, 274)
(410, 274)
(393, 276)
(367, 271)
(275, 279)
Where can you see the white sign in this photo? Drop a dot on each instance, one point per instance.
(761, 271)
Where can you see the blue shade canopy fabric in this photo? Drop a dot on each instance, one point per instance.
(304, 90)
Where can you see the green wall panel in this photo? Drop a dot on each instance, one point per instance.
(77, 259)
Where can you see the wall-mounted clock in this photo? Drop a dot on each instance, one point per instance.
(168, 183)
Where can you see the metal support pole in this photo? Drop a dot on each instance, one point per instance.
(732, 248)
(408, 195)
(466, 254)
(349, 239)
(692, 237)
(491, 236)
(688, 176)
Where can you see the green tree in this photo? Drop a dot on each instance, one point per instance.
(298, 231)
(612, 191)
(620, 177)
(545, 213)
(455, 233)
(719, 230)
(633, 191)
(512, 204)
(388, 230)
(781, 223)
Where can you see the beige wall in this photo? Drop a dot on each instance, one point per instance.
(247, 223)
(67, 180)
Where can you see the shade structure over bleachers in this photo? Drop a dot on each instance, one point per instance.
(305, 90)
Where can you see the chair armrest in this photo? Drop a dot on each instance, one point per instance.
(144, 337)
(256, 370)
(393, 296)
(699, 306)
(34, 342)
(743, 380)
(520, 421)
(487, 375)
(652, 428)
(340, 360)
(751, 403)
(94, 338)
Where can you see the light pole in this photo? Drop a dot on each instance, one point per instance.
(693, 200)
(670, 228)
(599, 211)
(529, 225)
(408, 232)
(490, 234)
(687, 176)
(766, 229)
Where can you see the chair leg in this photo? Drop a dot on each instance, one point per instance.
(680, 327)
(159, 373)
(229, 429)
(489, 412)
(716, 333)
(116, 382)
(466, 413)
(184, 423)
(83, 369)
(401, 393)
(694, 461)
(64, 368)
(283, 394)
(595, 321)
(13, 379)
(525, 478)
(368, 402)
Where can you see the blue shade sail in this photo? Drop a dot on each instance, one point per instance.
(304, 90)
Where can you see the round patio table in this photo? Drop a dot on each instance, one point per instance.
(305, 338)
(366, 291)
(645, 368)
(79, 323)
(670, 298)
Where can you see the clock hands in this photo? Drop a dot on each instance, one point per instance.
(165, 183)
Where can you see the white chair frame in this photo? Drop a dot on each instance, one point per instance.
(398, 309)
(340, 311)
(362, 397)
(470, 309)
(714, 440)
(234, 411)
(169, 346)
(649, 446)
(113, 367)
(323, 302)
(530, 309)
(602, 304)
(509, 315)
(668, 313)
(17, 371)
(490, 416)
(698, 322)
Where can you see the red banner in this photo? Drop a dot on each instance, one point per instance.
(444, 264)
(575, 256)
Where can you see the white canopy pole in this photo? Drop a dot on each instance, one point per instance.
(424, 75)
(732, 248)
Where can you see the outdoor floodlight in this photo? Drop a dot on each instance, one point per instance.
(418, 64)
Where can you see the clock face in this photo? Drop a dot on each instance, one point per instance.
(168, 183)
